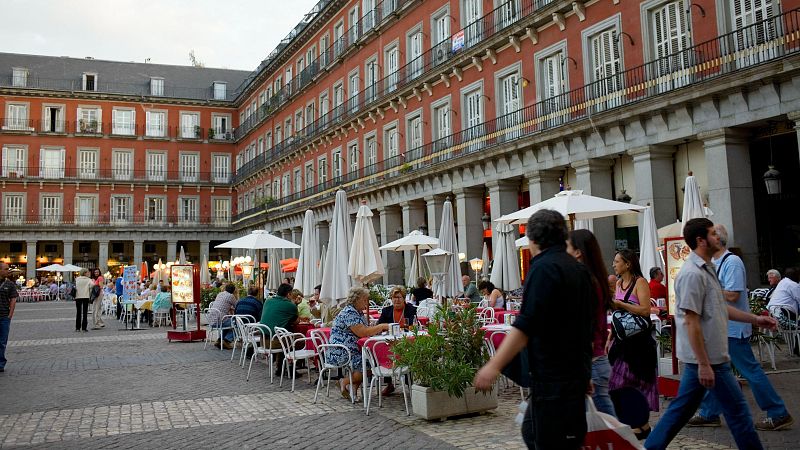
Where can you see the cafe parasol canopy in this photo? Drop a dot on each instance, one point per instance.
(574, 205)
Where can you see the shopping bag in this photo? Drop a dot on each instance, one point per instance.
(605, 432)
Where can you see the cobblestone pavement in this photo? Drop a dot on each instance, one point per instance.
(111, 388)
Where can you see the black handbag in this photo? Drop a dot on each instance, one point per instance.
(625, 323)
(95, 292)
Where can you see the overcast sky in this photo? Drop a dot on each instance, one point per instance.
(236, 34)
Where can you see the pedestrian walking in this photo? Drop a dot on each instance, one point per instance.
(97, 299)
(701, 326)
(733, 278)
(8, 300)
(559, 361)
(83, 291)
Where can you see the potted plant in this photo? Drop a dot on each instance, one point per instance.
(405, 168)
(197, 131)
(93, 126)
(443, 363)
(211, 133)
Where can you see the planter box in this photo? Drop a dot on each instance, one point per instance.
(665, 366)
(430, 404)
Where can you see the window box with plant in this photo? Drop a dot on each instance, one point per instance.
(443, 363)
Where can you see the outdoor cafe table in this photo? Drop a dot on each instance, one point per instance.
(384, 359)
(491, 329)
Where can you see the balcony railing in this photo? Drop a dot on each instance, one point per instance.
(746, 48)
(429, 62)
(15, 125)
(110, 220)
(18, 172)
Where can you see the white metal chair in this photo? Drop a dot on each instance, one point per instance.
(215, 320)
(239, 336)
(379, 371)
(292, 354)
(486, 316)
(788, 328)
(326, 367)
(424, 311)
(162, 316)
(261, 341)
(483, 303)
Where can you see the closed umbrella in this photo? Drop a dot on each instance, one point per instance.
(505, 273)
(692, 203)
(182, 257)
(649, 256)
(307, 264)
(144, 271)
(451, 282)
(365, 264)
(486, 261)
(418, 269)
(522, 242)
(204, 276)
(335, 280)
(321, 263)
(574, 205)
(274, 274)
(220, 275)
(159, 272)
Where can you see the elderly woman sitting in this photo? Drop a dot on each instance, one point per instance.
(348, 326)
(400, 311)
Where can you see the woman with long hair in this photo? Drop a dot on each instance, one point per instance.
(633, 360)
(583, 246)
(97, 299)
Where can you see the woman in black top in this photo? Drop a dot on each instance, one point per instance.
(421, 293)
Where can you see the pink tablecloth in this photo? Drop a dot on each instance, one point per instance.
(495, 335)
(326, 331)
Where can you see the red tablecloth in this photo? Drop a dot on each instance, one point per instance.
(326, 331)
(382, 350)
(302, 328)
(497, 338)
(375, 314)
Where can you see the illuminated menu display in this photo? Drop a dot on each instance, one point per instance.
(677, 252)
(182, 284)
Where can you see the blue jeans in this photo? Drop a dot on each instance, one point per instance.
(690, 394)
(601, 371)
(227, 335)
(5, 327)
(745, 362)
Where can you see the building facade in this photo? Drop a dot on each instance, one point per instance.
(498, 105)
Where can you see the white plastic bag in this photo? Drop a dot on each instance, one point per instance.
(604, 431)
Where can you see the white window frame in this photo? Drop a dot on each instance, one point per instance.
(84, 122)
(15, 161)
(415, 131)
(189, 123)
(46, 168)
(85, 81)
(51, 208)
(391, 140)
(667, 69)
(189, 166)
(19, 77)
(391, 64)
(221, 123)
(85, 218)
(188, 209)
(122, 164)
(370, 152)
(353, 88)
(157, 165)
(156, 123)
(220, 90)
(353, 157)
(60, 115)
(88, 163)
(156, 86)
(440, 26)
(17, 116)
(415, 47)
(159, 213)
(469, 122)
(612, 89)
(510, 77)
(322, 169)
(220, 168)
(120, 209)
(337, 163)
(14, 208)
(221, 211)
(298, 180)
(120, 126)
(308, 171)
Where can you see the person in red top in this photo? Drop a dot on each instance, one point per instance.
(657, 288)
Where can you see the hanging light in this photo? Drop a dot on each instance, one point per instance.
(486, 221)
(772, 178)
(623, 196)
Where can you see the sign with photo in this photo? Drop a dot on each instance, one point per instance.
(129, 283)
(458, 41)
(677, 252)
(182, 283)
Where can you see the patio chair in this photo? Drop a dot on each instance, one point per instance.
(377, 354)
(162, 316)
(261, 338)
(326, 367)
(789, 329)
(215, 320)
(240, 336)
(486, 316)
(291, 353)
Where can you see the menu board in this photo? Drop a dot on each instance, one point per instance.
(182, 281)
(130, 283)
(677, 252)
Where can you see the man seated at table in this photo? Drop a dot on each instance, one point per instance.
(223, 305)
(279, 311)
(250, 305)
(313, 303)
(303, 308)
(470, 291)
(657, 288)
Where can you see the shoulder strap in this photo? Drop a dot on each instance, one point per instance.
(630, 290)
(719, 266)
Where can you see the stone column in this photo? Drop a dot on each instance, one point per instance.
(391, 219)
(68, 251)
(172, 250)
(469, 211)
(204, 250)
(543, 184)
(594, 178)
(433, 205)
(30, 269)
(287, 235)
(653, 167)
(730, 192)
(297, 238)
(323, 234)
(503, 199)
(137, 251)
(413, 217)
(102, 255)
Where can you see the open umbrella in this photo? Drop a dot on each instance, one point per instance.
(258, 239)
(335, 280)
(692, 203)
(204, 276)
(413, 241)
(451, 282)
(672, 230)
(505, 273)
(365, 264)
(574, 205)
(307, 264)
(69, 268)
(50, 268)
(522, 242)
(649, 256)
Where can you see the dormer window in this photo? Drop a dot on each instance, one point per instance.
(220, 90)
(89, 81)
(19, 77)
(157, 86)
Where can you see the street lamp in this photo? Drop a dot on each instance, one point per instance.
(476, 264)
(772, 178)
(486, 221)
(438, 262)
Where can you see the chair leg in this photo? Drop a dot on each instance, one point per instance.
(316, 391)
(294, 372)
(283, 369)
(271, 373)
(368, 400)
(250, 367)
(328, 384)
(350, 386)
(403, 388)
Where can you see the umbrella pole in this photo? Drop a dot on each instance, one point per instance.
(572, 221)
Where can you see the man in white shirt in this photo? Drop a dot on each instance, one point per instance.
(787, 292)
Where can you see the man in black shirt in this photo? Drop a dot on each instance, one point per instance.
(8, 300)
(555, 324)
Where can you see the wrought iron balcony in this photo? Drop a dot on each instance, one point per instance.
(88, 173)
(68, 220)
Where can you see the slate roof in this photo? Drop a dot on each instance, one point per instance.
(65, 73)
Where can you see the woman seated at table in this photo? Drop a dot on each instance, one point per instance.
(400, 311)
(348, 326)
(421, 292)
(162, 301)
(493, 295)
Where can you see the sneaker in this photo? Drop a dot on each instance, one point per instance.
(699, 421)
(775, 424)
(227, 345)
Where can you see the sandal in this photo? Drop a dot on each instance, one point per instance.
(345, 391)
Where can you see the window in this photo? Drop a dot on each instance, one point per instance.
(189, 166)
(472, 12)
(338, 100)
(298, 181)
(222, 211)
(156, 166)
(155, 210)
(53, 119)
(16, 117)
(15, 161)
(441, 27)
(14, 208)
(220, 168)
(414, 131)
(221, 126)
(262, 99)
(89, 81)
(605, 65)
(338, 39)
(324, 107)
(371, 150)
(50, 209)
(85, 209)
(260, 146)
(87, 164)
(276, 188)
(353, 85)
(368, 21)
(509, 107)
(553, 84)
(156, 123)
(287, 128)
(19, 77)
(748, 12)
(391, 63)
(309, 174)
(414, 52)
(507, 13)
(51, 163)
(278, 135)
(353, 155)
(122, 162)
(190, 125)
(89, 120)
(371, 75)
(310, 117)
(670, 37)
(247, 113)
(187, 213)
(472, 104)
(323, 51)
(390, 142)
(124, 122)
(336, 163)
(220, 90)
(322, 169)
(298, 120)
(287, 185)
(156, 87)
(441, 123)
(120, 208)
(354, 25)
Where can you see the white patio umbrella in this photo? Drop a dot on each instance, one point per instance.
(486, 261)
(321, 263)
(692, 203)
(365, 264)
(204, 276)
(182, 256)
(451, 282)
(307, 264)
(414, 242)
(574, 205)
(522, 242)
(231, 270)
(669, 231)
(505, 273)
(220, 275)
(50, 268)
(274, 274)
(335, 280)
(649, 255)
(69, 268)
(418, 269)
(258, 239)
